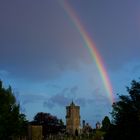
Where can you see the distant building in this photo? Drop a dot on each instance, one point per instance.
(72, 119)
(98, 125)
(87, 129)
(83, 123)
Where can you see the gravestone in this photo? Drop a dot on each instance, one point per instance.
(35, 132)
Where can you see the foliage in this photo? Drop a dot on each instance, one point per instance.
(51, 124)
(98, 135)
(126, 115)
(106, 123)
(12, 123)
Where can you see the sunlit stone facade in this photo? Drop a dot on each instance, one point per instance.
(72, 118)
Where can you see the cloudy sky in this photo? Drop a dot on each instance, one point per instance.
(43, 58)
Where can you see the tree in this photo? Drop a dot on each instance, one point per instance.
(98, 135)
(12, 123)
(51, 124)
(106, 123)
(126, 115)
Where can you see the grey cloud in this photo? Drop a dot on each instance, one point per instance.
(4, 73)
(64, 91)
(98, 95)
(64, 98)
(48, 104)
(53, 85)
(24, 99)
(136, 69)
(96, 91)
(31, 98)
(82, 101)
(74, 89)
(38, 44)
(59, 99)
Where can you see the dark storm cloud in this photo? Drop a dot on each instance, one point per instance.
(115, 28)
(36, 40)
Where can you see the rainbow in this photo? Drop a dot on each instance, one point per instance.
(91, 49)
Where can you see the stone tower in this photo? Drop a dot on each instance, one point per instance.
(72, 118)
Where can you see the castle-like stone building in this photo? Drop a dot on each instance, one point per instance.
(72, 119)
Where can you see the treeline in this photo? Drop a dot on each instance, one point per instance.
(126, 115)
(125, 123)
(12, 122)
(51, 124)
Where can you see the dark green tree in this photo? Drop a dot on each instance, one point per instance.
(126, 115)
(51, 124)
(12, 123)
(106, 123)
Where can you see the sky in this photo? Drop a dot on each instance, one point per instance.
(44, 58)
